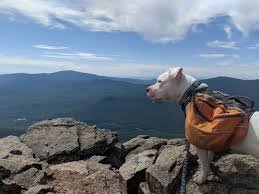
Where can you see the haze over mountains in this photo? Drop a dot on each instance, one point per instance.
(116, 103)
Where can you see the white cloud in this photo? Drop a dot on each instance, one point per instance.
(255, 46)
(242, 71)
(222, 44)
(228, 31)
(18, 64)
(218, 56)
(48, 47)
(159, 21)
(21, 64)
(79, 56)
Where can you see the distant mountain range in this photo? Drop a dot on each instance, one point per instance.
(116, 103)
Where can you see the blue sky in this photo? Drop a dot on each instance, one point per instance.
(130, 38)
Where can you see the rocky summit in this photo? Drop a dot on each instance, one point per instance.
(70, 157)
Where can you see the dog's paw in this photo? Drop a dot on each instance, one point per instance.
(200, 179)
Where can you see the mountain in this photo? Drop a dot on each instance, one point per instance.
(116, 103)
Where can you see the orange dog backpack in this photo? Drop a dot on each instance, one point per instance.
(215, 121)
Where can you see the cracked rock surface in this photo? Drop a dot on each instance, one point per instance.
(65, 156)
(83, 177)
(65, 139)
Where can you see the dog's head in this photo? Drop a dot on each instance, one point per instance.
(169, 85)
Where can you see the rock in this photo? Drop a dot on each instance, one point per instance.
(238, 173)
(12, 145)
(133, 170)
(85, 177)
(145, 165)
(142, 143)
(239, 169)
(97, 159)
(65, 139)
(211, 187)
(51, 138)
(30, 178)
(133, 143)
(177, 141)
(164, 175)
(8, 187)
(143, 188)
(16, 163)
(40, 189)
(95, 141)
(4, 173)
(18, 167)
(116, 157)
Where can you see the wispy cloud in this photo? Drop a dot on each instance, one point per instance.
(255, 46)
(48, 47)
(223, 44)
(79, 56)
(228, 31)
(218, 56)
(18, 64)
(176, 18)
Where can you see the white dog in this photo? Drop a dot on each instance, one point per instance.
(172, 85)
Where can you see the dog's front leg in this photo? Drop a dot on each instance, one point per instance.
(202, 174)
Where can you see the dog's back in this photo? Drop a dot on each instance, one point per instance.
(250, 145)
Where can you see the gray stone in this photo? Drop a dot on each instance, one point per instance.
(40, 189)
(11, 145)
(239, 174)
(16, 163)
(96, 141)
(85, 177)
(143, 188)
(142, 143)
(239, 169)
(65, 139)
(176, 141)
(8, 187)
(50, 138)
(19, 164)
(30, 178)
(133, 143)
(164, 175)
(133, 170)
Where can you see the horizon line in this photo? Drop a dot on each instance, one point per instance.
(136, 78)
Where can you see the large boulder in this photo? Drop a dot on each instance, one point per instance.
(85, 177)
(164, 176)
(238, 174)
(133, 170)
(65, 139)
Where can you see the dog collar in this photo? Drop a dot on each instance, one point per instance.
(187, 96)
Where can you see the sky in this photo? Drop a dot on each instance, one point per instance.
(130, 38)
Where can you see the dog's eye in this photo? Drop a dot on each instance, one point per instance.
(159, 81)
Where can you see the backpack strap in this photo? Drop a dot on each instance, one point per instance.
(187, 96)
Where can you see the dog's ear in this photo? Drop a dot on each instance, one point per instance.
(176, 72)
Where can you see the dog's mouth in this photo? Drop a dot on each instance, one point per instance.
(153, 98)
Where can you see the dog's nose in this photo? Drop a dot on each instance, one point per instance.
(147, 89)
